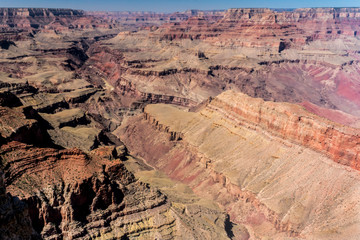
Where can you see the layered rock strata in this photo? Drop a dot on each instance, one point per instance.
(279, 30)
(292, 122)
(67, 193)
(259, 171)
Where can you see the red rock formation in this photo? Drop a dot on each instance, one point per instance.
(111, 64)
(240, 152)
(72, 194)
(40, 18)
(254, 158)
(333, 115)
(292, 122)
(152, 19)
(268, 28)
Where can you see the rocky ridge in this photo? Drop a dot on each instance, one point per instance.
(76, 195)
(245, 166)
(14, 222)
(293, 123)
(275, 29)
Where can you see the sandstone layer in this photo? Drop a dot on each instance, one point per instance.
(70, 194)
(305, 55)
(71, 82)
(254, 159)
(293, 123)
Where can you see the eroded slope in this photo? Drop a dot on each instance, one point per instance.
(266, 180)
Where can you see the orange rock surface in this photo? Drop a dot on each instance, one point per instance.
(253, 158)
(293, 123)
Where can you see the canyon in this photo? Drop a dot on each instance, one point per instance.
(264, 178)
(222, 124)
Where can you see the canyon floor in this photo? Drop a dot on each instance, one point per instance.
(235, 124)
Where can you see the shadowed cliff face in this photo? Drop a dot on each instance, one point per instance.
(15, 222)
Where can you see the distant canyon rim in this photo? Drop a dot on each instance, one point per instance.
(222, 124)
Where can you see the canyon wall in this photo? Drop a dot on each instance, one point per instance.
(254, 165)
(273, 29)
(292, 122)
(36, 17)
(73, 194)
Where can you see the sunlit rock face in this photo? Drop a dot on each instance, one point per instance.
(272, 166)
(239, 123)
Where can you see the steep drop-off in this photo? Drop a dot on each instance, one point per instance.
(57, 193)
(265, 176)
(292, 122)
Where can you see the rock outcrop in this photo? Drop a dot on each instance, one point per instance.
(274, 29)
(263, 173)
(40, 18)
(15, 221)
(292, 122)
(286, 56)
(77, 196)
(70, 194)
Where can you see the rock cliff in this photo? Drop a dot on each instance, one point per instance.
(15, 222)
(273, 29)
(67, 193)
(26, 18)
(293, 123)
(256, 163)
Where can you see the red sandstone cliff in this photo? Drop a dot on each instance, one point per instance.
(268, 28)
(257, 160)
(293, 123)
